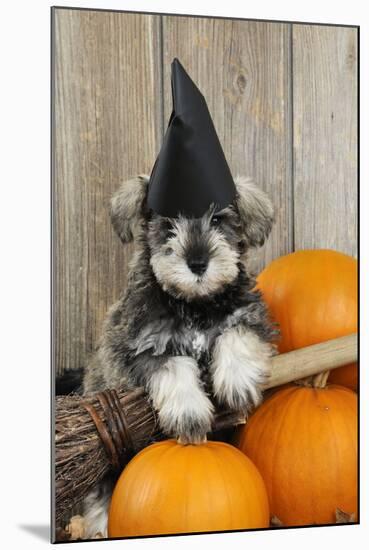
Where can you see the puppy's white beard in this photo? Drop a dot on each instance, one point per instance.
(173, 272)
(222, 268)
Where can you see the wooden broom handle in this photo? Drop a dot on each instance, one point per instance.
(311, 360)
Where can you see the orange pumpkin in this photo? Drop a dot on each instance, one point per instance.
(173, 488)
(312, 294)
(304, 442)
(345, 376)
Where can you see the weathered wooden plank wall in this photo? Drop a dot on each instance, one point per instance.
(325, 137)
(107, 128)
(283, 99)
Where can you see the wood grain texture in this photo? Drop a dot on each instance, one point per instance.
(243, 70)
(107, 128)
(285, 112)
(325, 137)
(312, 360)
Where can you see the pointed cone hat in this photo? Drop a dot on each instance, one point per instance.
(190, 173)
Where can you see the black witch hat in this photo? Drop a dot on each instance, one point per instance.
(191, 172)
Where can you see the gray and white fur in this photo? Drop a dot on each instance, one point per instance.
(189, 327)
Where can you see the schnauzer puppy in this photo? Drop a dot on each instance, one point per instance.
(190, 327)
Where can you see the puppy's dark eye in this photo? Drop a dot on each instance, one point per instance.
(215, 221)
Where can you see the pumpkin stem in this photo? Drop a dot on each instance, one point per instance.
(344, 517)
(320, 380)
(181, 440)
(314, 381)
(275, 522)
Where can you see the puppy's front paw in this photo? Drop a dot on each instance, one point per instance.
(188, 419)
(191, 430)
(184, 410)
(240, 398)
(239, 369)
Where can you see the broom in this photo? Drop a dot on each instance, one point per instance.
(100, 433)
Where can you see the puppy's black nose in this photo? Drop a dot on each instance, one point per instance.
(198, 265)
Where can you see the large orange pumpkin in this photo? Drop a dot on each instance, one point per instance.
(173, 488)
(312, 294)
(304, 442)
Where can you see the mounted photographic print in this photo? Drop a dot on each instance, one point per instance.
(205, 308)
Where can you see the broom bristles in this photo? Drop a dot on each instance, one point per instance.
(80, 457)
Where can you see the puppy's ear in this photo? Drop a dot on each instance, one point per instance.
(255, 210)
(127, 207)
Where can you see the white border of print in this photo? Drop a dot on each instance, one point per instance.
(25, 271)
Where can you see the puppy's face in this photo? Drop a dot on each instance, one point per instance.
(195, 258)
